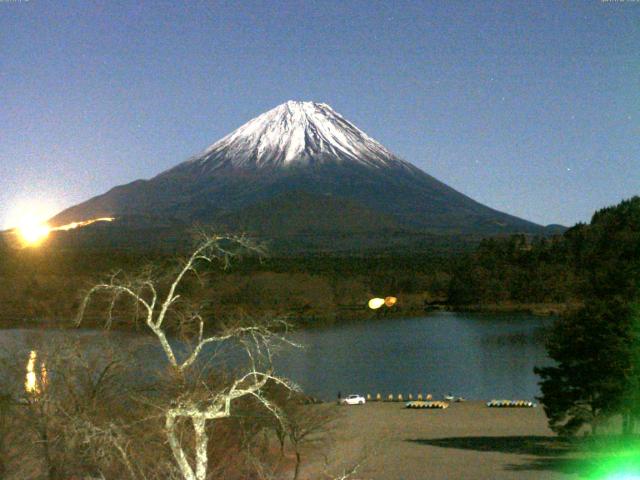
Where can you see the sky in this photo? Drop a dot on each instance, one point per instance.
(530, 107)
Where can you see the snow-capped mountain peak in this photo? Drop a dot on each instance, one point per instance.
(299, 169)
(295, 133)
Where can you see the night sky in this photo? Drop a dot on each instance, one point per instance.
(530, 107)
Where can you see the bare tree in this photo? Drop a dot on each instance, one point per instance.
(195, 401)
(308, 426)
(48, 388)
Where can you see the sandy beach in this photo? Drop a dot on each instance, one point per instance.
(466, 441)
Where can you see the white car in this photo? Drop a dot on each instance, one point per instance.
(353, 400)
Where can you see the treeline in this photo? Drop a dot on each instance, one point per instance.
(511, 273)
(586, 259)
(45, 285)
(518, 269)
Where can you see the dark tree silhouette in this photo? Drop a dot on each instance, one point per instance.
(587, 384)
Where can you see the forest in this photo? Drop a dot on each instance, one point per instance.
(510, 273)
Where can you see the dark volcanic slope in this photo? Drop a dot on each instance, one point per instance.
(293, 169)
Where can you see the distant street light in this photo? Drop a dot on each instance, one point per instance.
(376, 303)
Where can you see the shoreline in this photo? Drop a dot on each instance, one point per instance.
(534, 309)
(315, 321)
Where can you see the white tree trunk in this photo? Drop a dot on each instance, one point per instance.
(202, 441)
(176, 448)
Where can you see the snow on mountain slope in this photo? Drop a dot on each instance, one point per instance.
(295, 133)
(299, 158)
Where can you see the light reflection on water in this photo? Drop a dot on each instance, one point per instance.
(474, 356)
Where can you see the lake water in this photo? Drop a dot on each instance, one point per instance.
(474, 356)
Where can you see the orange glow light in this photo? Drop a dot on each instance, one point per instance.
(32, 232)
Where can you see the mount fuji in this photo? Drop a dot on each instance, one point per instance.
(300, 169)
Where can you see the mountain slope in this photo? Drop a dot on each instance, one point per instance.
(318, 161)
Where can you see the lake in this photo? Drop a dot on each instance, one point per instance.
(470, 355)
(477, 356)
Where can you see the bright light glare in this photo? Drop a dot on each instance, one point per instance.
(376, 303)
(390, 301)
(31, 384)
(617, 464)
(74, 225)
(27, 219)
(32, 231)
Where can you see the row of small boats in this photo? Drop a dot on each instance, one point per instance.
(491, 404)
(421, 404)
(510, 404)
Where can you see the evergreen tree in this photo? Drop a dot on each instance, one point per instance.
(588, 382)
(597, 348)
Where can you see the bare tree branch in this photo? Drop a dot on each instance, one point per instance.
(258, 342)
